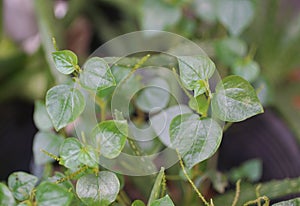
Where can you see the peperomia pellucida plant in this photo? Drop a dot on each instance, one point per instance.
(195, 134)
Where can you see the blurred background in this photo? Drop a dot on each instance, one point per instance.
(266, 33)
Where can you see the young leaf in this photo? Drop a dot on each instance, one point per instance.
(138, 203)
(292, 202)
(110, 137)
(200, 104)
(51, 194)
(69, 153)
(195, 139)
(98, 190)
(65, 61)
(64, 104)
(156, 187)
(155, 95)
(193, 69)
(249, 70)
(165, 201)
(41, 117)
(6, 197)
(96, 75)
(235, 100)
(47, 141)
(235, 15)
(21, 184)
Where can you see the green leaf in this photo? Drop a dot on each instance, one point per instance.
(6, 197)
(229, 50)
(88, 156)
(64, 104)
(200, 104)
(250, 170)
(235, 15)
(195, 139)
(165, 201)
(65, 61)
(155, 192)
(51, 194)
(96, 75)
(193, 69)
(161, 121)
(155, 95)
(292, 202)
(249, 70)
(138, 203)
(69, 153)
(110, 137)
(21, 184)
(98, 190)
(157, 15)
(235, 100)
(47, 141)
(41, 117)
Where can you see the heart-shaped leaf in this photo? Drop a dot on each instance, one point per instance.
(195, 139)
(194, 70)
(96, 75)
(47, 141)
(235, 100)
(161, 121)
(235, 15)
(69, 153)
(73, 154)
(64, 104)
(21, 184)
(51, 194)
(98, 190)
(110, 137)
(65, 61)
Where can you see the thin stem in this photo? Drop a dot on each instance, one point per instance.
(237, 193)
(125, 197)
(264, 198)
(54, 43)
(257, 193)
(227, 125)
(190, 181)
(135, 67)
(102, 105)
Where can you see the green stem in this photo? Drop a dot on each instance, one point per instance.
(191, 182)
(102, 105)
(227, 125)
